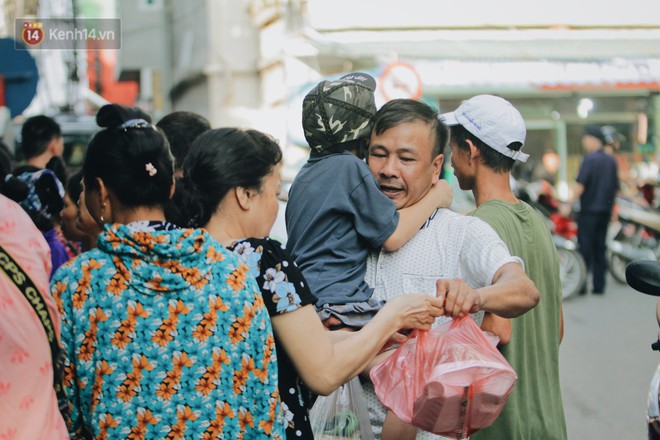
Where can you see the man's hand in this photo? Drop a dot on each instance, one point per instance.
(442, 192)
(459, 298)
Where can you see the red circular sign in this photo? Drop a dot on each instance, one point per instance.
(400, 80)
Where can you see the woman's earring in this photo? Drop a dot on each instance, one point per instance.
(102, 209)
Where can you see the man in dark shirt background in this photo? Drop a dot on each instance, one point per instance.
(597, 187)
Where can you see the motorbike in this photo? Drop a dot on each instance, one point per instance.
(573, 270)
(637, 237)
(644, 276)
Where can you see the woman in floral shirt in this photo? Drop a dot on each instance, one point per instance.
(231, 183)
(167, 334)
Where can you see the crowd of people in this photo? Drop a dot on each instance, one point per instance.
(172, 314)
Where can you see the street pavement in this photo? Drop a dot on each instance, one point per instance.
(606, 363)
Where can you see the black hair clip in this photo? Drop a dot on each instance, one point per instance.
(134, 123)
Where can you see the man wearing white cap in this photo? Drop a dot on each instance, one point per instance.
(487, 135)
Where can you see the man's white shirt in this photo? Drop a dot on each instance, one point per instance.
(449, 245)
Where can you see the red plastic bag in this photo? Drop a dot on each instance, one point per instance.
(451, 380)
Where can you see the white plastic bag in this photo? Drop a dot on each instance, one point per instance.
(343, 415)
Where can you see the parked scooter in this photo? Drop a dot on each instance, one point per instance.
(644, 276)
(573, 270)
(637, 237)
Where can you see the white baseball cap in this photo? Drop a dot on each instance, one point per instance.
(493, 120)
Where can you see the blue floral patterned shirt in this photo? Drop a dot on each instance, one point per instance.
(284, 290)
(167, 337)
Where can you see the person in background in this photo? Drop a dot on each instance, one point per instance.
(181, 128)
(84, 221)
(42, 174)
(70, 214)
(335, 212)
(41, 141)
(487, 136)
(455, 257)
(167, 334)
(230, 186)
(28, 403)
(43, 199)
(6, 159)
(596, 189)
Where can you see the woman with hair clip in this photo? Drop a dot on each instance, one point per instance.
(167, 336)
(230, 186)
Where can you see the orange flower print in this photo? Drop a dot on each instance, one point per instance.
(249, 312)
(225, 411)
(133, 378)
(202, 332)
(68, 375)
(245, 418)
(198, 243)
(183, 415)
(93, 264)
(121, 338)
(103, 369)
(58, 289)
(162, 337)
(89, 342)
(240, 378)
(163, 334)
(222, 411)
(258, 301)
(205, 386)
(144, 418)
(147, 417)
(123, 334)
(80, 295)
(218, 305)
(137, 311)
(125, 392)
(106, 421)
(138, 432)
(86, 351)
(262, 375)
(242, 325)
(187, 414)
(234, 282)
(200, 282)
(117, 284)
(167, 388)
(213, 256)
(247, 363)
(182, 360)
(234, 335)
(207, 383)
(166, 391)
(176, 432)
(267, 425)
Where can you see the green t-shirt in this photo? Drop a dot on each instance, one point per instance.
(534, 409)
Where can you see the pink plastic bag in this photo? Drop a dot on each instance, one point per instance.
(451, 381)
